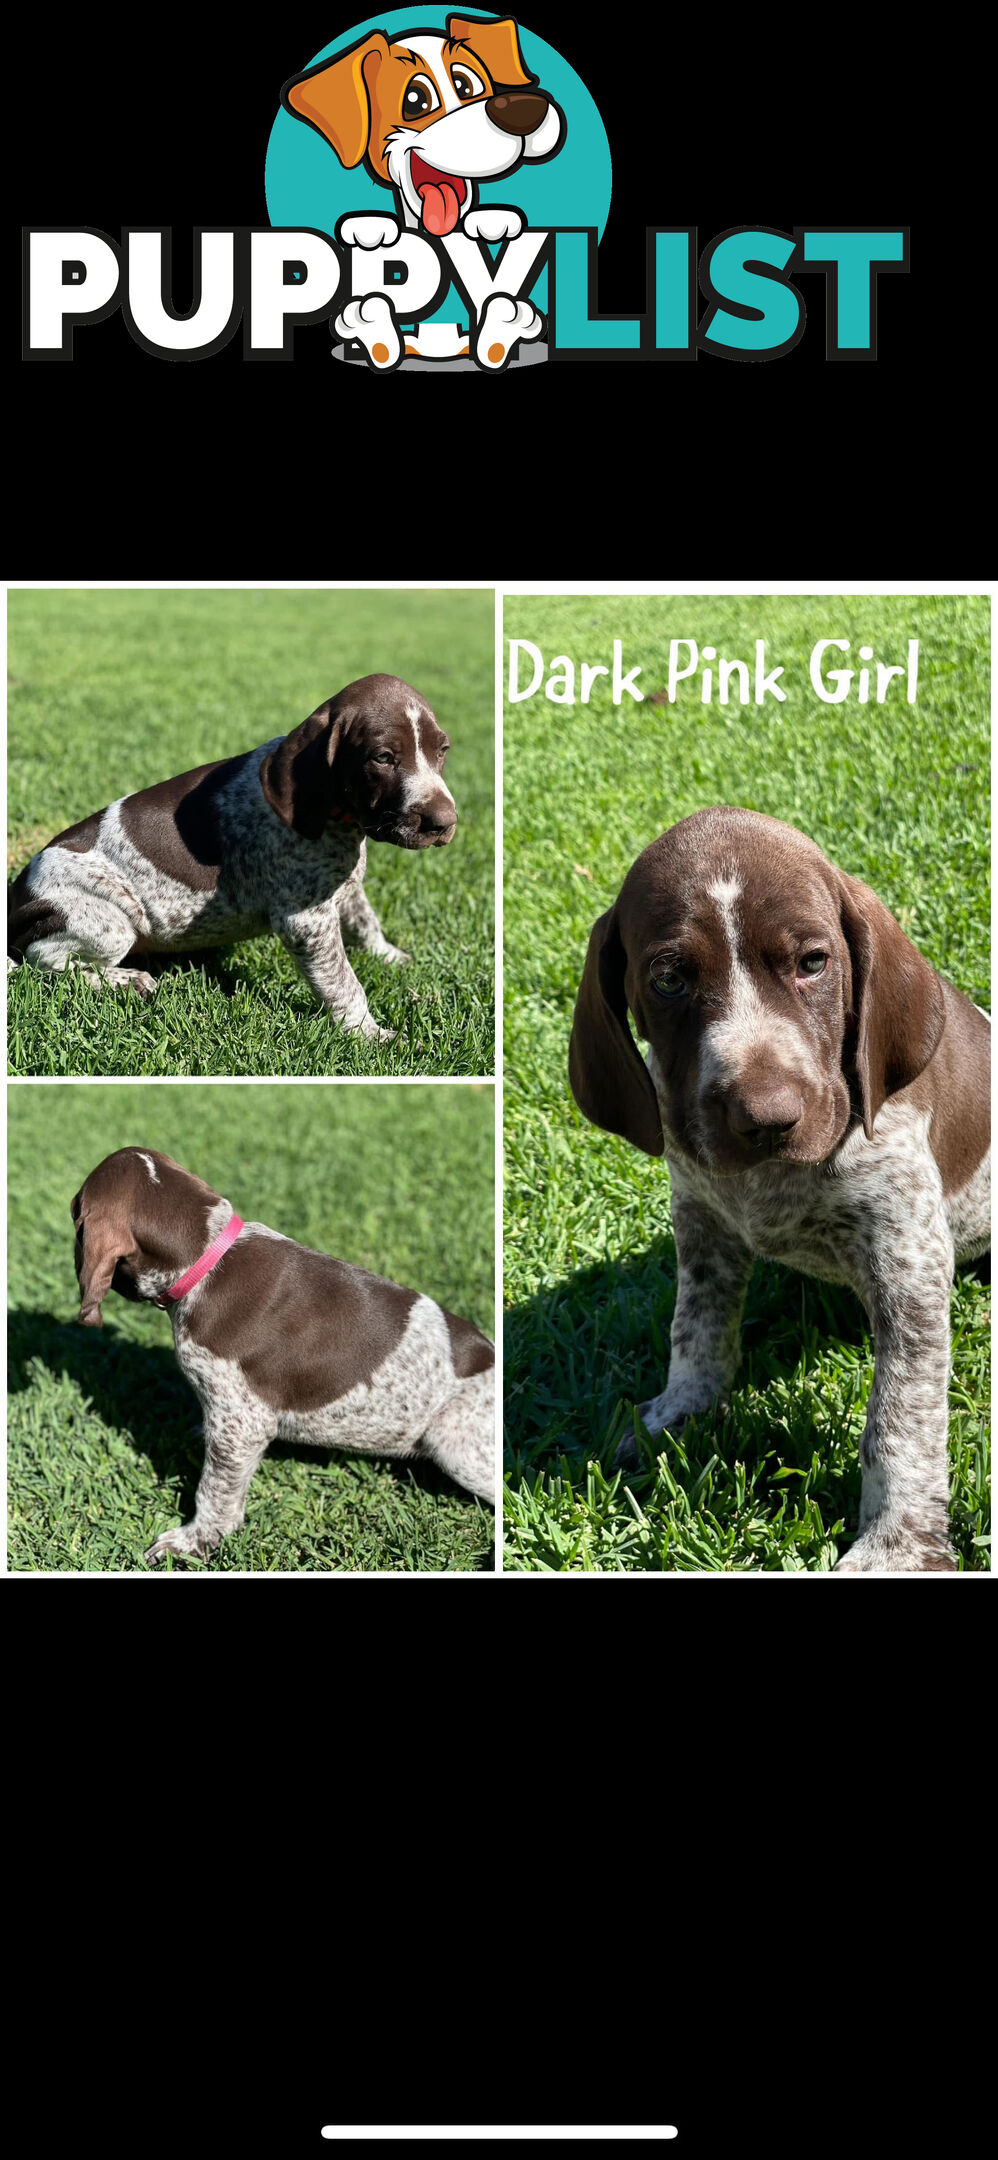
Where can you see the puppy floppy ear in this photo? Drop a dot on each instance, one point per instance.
(335, 97)
(297, 777)
(102, 1239)
(897, 1001)
(496, 43)
(608, 1076)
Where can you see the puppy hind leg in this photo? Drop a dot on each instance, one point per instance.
(461, 1438)
(102, 935)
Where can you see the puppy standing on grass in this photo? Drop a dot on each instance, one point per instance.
(821, 1096)
(273, 840)
(279, 1342)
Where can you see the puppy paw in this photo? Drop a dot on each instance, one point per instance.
(395, 955)
(122, 978)
(371, 321)
(493, 223)
(882, 1551)
(373, 1033)
(668, 1412)
(368, 231)
(504, 323)
(185, 1543)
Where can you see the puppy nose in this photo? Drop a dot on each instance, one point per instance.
(438, 820)
(761, 1117)
(517, 112)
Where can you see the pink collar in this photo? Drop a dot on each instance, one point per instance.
(207, 1261)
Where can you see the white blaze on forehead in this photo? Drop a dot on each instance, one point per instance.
(430, 50)
(745, 1023)
(423, 769)
(150, 1165)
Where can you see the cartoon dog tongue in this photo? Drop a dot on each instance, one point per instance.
(440, 207)
(441, 195)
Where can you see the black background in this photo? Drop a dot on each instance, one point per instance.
(788, 468)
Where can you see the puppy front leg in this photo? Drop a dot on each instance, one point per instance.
(360, 925)
(314, 939)
(904, 1508)
(236, 1436)
(714, 1268)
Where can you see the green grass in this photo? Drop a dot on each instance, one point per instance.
(111, 691)
(895, 795)
(103, 1450)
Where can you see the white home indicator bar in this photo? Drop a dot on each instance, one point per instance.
(503, 2130)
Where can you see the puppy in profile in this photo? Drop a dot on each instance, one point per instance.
(279, 1342)
(274, 840)
(822, 1097)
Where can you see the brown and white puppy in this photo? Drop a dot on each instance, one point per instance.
(822, 1096)
(279, 1342)
(431, 117)
(273, 840)
(427, 116)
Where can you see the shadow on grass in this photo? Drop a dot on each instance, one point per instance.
(140, 1391)
(207, 962)
(578, 1355)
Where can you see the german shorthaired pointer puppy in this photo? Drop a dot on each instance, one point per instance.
(821, 1096)
(273, 840)
(279, 1342)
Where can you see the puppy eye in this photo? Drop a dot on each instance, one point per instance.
(420, 98)
(382, 757)
(443, 749)
(465, 83)
(812, 963)
(668, 984)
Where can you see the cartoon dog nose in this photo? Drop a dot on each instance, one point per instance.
(764, 1117)
(517, 112)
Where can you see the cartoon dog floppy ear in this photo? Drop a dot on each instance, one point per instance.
(494, 42)
(335, 97)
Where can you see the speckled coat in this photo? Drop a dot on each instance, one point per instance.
(821, 1096)
(274, 840)
(279, 1342)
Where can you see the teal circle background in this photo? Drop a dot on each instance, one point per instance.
(306, 184)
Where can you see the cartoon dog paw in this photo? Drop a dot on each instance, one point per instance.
(368, 231)
(370, 320)
(493, 223)
(504, 323)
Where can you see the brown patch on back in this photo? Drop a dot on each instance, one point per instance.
(955, 1089)
(305, 1328)
(79, 839)
(175, 823)
(470, 1350)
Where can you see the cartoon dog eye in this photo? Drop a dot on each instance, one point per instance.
(420, 98)
(465, 83)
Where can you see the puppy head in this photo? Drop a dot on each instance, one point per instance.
(426, 115)
(373, 754)
(779, 997)
(137, 1215)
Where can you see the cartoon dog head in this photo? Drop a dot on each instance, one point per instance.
(431, 115)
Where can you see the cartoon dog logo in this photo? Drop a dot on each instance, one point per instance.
(431, 116)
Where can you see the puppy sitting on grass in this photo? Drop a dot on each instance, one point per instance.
(273, 840)
(279, 1342)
